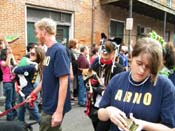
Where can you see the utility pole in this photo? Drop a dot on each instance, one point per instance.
(92, 29)
(129, 25)
(164, 25)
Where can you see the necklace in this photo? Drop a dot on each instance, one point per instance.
(132, 106)
(141, 84)
(137, 84)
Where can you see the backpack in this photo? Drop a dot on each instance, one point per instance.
(74, 63)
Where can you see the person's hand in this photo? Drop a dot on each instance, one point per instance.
(31, 99)
(56, 119)
(139, 122)
(117, 117)
(10, 55)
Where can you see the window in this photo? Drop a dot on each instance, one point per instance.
(62, 19)
(30, 33)
(62, 34)
(142, 30)
(168, 3)
(116, 29)
(37, 14)
(157, 1)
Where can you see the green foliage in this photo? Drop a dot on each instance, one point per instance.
(157, 37)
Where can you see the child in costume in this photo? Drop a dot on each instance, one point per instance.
(104, 68)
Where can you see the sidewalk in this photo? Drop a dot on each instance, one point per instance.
(2, 100)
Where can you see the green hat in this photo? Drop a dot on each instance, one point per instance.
(11, 38)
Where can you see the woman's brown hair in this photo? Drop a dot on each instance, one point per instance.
(153, 49)
(72, 43)
(40, 55)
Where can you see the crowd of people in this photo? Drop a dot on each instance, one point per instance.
(118, 95)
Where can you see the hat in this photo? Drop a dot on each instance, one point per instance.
(108, 47)
(11, 38)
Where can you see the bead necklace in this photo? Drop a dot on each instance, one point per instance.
(141, 84)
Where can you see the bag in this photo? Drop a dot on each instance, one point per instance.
(12, 126)
(16, 126)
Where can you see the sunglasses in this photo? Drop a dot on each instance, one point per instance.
(32, 54)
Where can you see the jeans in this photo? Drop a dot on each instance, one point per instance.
(9, 93)
(81, 91)
(34, 112)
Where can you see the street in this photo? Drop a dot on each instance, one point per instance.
(75, 120)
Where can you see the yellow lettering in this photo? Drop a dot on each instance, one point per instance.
(118, 95)
(127, 97)
(147, 99)
(137, 98)
(46, 61)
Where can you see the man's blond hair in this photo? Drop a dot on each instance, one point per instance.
(46, 24)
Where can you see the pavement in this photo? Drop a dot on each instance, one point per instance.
(2, 99)
(75, 120)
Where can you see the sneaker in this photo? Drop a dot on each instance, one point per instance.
(72, 103)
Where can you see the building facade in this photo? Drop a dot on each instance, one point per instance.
(85, 20)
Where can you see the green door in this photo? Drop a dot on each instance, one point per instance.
(62, 33)
(31, 33)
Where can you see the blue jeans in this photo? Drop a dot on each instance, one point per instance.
(9, 93)
(81, 91)
(34, 112)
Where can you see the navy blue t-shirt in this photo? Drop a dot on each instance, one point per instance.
(172, 77)
(146, 102)
(56, 64)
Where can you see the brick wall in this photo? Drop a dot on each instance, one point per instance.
(12, 17)
(105, 13)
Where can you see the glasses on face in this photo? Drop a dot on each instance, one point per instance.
(32, 54)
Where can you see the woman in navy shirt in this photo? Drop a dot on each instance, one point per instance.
(141, 91)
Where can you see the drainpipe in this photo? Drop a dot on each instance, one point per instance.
(164, 25)
(129, 31)
(92, 30)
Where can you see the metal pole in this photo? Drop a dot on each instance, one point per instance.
(92, 30)
(129, 31)
(164, 25)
